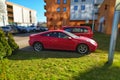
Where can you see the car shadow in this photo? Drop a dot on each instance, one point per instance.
(29, 53)
(105, 72)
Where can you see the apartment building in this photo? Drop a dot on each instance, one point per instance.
(20, 15)
(3, 13)
(70, 12)
(105, 17)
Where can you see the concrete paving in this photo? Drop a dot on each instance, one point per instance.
(22, 41)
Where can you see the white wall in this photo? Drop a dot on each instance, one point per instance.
(3, 13)
(26, 15)
(17, 13)
(33, 16)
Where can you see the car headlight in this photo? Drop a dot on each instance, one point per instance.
(91, 41)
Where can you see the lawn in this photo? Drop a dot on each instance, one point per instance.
(63, 65)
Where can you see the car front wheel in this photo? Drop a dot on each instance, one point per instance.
(83, 49)
(38, 46)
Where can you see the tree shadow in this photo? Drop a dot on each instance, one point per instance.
(106, 72)
(103, 41)
(24, 34)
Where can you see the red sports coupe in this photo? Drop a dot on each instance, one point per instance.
(62, 40)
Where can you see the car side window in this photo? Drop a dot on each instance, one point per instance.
(62, 35)
(80, 30)
(51, 34)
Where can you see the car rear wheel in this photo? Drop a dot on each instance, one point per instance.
(83, 49)
(38, 46)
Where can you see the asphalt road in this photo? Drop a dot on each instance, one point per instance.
(22, 41)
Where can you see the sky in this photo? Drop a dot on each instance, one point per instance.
(37, 5)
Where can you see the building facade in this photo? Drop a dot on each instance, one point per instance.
(70, 12)
(3, 13)
(20, 15)
(105, 17)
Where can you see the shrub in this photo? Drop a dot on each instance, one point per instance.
(2, 51)
(12, 43)
(4, 44)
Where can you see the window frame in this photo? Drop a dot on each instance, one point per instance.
(58, 9)
(82, 7)
(64, 1)
(75, 8)
(75, 0)
(64, 9)
(58, 1)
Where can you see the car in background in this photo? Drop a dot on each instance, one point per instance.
(6, 29)
(31, 28)
(21, 29)
(62, 40)
(42, 28)
(79, 30)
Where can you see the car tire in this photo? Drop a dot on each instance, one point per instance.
(83, 49)
(38, 46)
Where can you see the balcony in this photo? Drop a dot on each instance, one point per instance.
(96, 13)
(98, 2)
(45, 7)
(45, 1)
(10, 15)
(45, 14)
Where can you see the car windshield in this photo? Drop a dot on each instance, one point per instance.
(72, 35)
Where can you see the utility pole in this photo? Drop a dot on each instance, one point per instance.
(114, 32)
(93, 22)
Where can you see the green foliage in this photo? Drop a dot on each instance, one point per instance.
(2, 51)
(5, 44)
(12, 43)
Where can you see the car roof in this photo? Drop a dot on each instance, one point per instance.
(48, 32)
(76, 27)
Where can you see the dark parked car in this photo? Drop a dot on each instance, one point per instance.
(41, 29)
(21, 29)
(6, 29)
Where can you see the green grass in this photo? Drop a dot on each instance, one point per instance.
(63, 65)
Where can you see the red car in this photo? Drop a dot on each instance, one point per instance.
(79, 30)
(62, 40)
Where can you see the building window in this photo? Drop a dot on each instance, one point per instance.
(64, 9)
(83, 0)
(82, 7)
(58, 1)
(58, 9)
(106, 6)
(64, 1)
(75, 8)
(75, 0)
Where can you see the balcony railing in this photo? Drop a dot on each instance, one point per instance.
(45, 14)
(45, 7)
(45, 1)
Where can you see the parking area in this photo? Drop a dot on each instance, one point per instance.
(22, 41)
